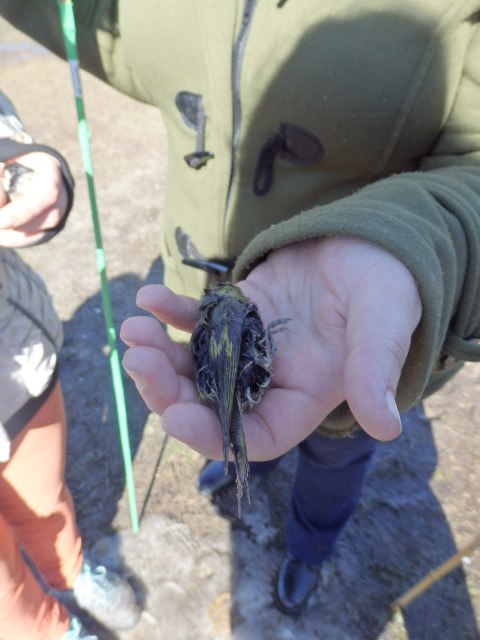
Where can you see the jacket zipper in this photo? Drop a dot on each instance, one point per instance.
(237, 60)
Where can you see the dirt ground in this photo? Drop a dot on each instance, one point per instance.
(200, 573)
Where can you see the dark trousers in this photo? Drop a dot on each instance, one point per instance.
(328, 482)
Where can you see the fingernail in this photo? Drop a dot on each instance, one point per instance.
(135, 376)
(392, 406)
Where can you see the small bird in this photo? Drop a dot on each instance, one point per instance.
(232, 355)
(16, 179)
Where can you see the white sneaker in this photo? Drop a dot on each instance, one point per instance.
(77, 632)
(106, 596)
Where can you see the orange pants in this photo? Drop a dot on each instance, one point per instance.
(37, 513)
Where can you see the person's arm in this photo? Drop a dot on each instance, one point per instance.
(430, 220)
(100, 43)
(347, 339)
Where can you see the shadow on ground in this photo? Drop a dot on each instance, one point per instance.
(95, 467)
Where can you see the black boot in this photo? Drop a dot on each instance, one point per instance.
(296, 581)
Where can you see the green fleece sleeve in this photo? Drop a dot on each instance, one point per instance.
(430, 220)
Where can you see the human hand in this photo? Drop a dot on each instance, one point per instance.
(25, 220)
(353, 307)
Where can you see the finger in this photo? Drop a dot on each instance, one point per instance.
(18, 239)
(371, 378)
(380, 328)
(30, 213)
(156, 379)
(146, 331)
(3, 193)
(178, 311)
(282, 420)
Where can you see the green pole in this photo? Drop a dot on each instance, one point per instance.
(69, 35)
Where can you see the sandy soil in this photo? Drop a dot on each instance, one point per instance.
(200, 573)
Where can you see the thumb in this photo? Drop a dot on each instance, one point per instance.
(371, 377)
(380, 327)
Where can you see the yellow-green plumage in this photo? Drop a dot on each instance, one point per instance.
(232, 355)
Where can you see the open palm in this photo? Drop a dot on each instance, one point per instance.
(353, 309)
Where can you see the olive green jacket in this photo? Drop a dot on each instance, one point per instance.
(292, 119)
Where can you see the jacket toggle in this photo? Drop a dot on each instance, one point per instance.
(456, 350)
(193, 114)
(191, 257)
(294, 145)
